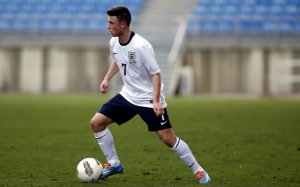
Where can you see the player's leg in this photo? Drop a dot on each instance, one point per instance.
(104, 137)
(115, 110)
(180, 148)
(105, 141)
(167, 136)
(183, 151)
(163, 128)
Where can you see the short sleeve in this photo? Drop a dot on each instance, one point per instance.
(148, 58)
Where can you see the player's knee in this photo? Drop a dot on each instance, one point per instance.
(167, 136)
(93, 123)
(167, 139)
(97, 124)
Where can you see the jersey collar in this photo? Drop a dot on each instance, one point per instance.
(131, 36)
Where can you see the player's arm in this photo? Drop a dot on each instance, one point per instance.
(113, 69)
(156, 81)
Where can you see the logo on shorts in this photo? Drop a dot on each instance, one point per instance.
(162, 123)
(163, 120)
(131, 57)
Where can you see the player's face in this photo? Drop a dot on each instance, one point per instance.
(114, 26)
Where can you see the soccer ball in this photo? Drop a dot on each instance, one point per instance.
(89, 170)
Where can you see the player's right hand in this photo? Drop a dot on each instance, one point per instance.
(104, 86)
(158, 109)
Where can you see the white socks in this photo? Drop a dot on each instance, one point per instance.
(106, 143)
(184, 152)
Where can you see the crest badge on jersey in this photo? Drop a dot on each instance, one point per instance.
(131, 57)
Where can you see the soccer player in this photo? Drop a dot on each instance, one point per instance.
(134, 59)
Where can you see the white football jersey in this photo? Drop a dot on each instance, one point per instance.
(137, 63)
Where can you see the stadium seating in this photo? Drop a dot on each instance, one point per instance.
(246, 17)
(58, 16)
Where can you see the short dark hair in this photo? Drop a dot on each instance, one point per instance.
(121, 12)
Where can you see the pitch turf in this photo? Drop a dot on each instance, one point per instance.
(239, 142)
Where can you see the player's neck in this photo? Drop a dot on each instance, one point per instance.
(125, 37)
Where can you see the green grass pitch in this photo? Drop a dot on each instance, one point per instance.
(240, 142)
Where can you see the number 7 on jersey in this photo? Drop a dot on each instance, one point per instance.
(124, 67)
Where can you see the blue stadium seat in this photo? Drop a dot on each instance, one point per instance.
(264, 2)
(59, 16)
(245, 17)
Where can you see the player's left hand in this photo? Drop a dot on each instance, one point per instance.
(158, 109)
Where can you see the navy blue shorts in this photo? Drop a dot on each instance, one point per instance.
(120, 111)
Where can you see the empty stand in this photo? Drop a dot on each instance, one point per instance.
(58, 16)
(249, 17)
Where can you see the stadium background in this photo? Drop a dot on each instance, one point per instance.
(212, 47)
(204, 47)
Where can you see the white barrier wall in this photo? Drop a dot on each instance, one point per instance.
(252, 71)
(31, 70)
(281, 73)
(96, 65)
(4, 70)
(57, 70)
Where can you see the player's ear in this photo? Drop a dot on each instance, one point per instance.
(123, 24)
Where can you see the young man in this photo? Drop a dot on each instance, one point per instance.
(141, 94)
